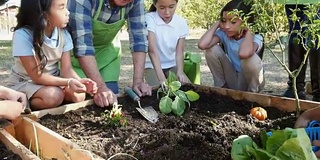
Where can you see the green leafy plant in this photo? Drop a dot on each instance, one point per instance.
(293, 144)
(115, 117)
(171, 90)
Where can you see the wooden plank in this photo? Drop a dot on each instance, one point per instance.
(50, 144)
(15, 146)
(282, 103)
(62, 109)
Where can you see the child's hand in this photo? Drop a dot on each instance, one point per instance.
(15, 96)
(183, 78)
(302, 122)
(90, 85)
(76, 86)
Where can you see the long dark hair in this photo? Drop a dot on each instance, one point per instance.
(32, 15)
(153, 7)
(240, 5)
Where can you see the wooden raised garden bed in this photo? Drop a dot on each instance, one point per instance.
(205, 131)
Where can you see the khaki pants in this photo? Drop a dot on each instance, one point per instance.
(151, 76)
(250, 79)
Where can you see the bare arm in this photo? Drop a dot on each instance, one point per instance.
(66, 67)
(208, 40)
(180, 55)
(247, 47)
(31, 65)
(154, 57)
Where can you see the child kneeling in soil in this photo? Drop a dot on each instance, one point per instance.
(232, 51)
(166, 36)
(39, 44)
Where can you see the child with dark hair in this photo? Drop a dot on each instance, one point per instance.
(166, 36)
(232, 51)
(40, 43)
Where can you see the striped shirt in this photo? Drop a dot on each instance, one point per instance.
(81, 16)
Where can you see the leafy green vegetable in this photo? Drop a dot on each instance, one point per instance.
(293, 144)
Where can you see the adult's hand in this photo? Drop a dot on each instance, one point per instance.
(104, 97)
(141, 88)
(10, 109)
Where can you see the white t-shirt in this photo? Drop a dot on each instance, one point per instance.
(167, 36)
(23, 38)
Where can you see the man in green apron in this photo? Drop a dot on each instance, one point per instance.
(94, 26)
(297, 51)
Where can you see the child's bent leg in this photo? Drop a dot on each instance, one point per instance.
(252, 69)
(47, 97)
(73, 97)
(221, 68)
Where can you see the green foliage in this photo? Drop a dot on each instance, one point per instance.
(115, 117)
(289, 143)
(171, 90)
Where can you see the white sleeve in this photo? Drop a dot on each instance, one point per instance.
(22, 43)
(151, 24)
(68, 44)
(184, 29)
(259, 40)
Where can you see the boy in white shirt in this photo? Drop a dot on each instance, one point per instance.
(166, 37)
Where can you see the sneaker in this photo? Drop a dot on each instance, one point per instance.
(290, 94)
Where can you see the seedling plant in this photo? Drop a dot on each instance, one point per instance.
(171, 90)
(115, 117)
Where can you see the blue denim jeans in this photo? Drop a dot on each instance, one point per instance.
(114, 86)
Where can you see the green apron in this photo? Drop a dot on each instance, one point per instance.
(107, 47)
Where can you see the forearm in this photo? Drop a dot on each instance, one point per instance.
(90, 69)
(157, 66)
(3, 92)
(138, 59)
(246, 49)
(205, 41)
(3, 108)
(312, 114)
(50, 80)
(69, 73)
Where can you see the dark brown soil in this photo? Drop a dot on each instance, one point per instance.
(192, 136)
(7, 154)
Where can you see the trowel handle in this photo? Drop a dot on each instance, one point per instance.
(132, 94)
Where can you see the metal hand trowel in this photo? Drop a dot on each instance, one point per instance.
(147, 112)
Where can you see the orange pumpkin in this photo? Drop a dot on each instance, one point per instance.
(259, 113)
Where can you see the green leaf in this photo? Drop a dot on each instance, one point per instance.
(183, 96)
(260, 154)
(238, 149)
(178, 106)
(264, 138)
(192, 95)
(174, 86)
(195, 58)
(278, 137)
(297, 148)
(165, 105)
(171, 78)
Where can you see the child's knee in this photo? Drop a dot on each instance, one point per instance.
(252, 64)
(214, 52)
(79, 98)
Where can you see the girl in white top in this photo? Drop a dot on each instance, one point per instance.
(166, 37)
(39, 44)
